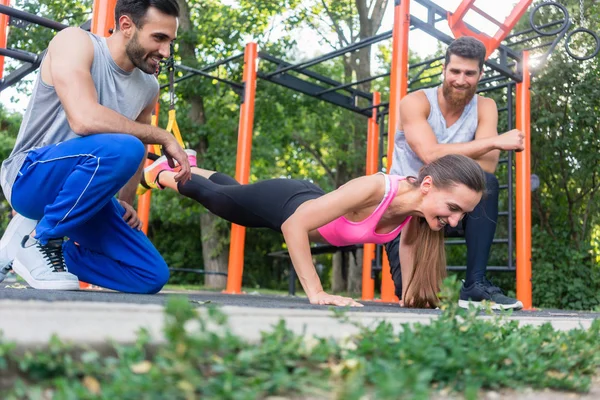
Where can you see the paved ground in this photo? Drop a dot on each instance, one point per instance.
(30, 316)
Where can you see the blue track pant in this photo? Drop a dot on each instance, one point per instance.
(70, 187)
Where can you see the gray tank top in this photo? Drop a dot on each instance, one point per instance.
(406, 162)
(45, 122)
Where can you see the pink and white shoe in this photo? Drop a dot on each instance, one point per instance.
(151, 172)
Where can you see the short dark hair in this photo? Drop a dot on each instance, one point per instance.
(137, 9)
(467, 47)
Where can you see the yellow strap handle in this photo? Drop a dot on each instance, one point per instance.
(154, 122)
(174, 128)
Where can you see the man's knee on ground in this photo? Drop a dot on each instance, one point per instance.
(155, 279)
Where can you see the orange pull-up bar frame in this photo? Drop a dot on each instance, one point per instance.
(372, 167)
(242, 168)
(145, 200)
(398, 89)
(459, 28)
(523, 196)
(3, 34)
(103, 19)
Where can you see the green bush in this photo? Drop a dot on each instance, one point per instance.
(202, 358)
(563, 277)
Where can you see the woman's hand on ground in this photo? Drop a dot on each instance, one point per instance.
(323, 298)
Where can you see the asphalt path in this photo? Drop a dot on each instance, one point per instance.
(242, 300)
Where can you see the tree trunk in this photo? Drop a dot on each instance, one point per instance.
(338, 280)
(209, 234)
(213, 262)
(355, 272)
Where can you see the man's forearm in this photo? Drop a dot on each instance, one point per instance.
(474, 149)
(489, 161)
(102, 119)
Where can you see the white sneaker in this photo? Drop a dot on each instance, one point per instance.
(43, 266)
(18, 227)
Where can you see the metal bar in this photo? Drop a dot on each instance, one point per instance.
(221, 62)
(503, 214)
(19, 55)
(206, 69)
(202, 73)
(103, 17)
(242, 169)
(311, 89)
(363, 43)
(314, 75)
(18, 74)
(509, 169)
(183, 78)
(333, 89)
(198, 271)
(489, 268)
(539, 46)
(427, 62)
(426, 67)
(414, 80)
(291, 280)
(372, 164)
(3, 35)
(523, 168)
(490, 88)
(398, 89)
(462, 241)
(25, 16)
(527, 39)
(489, 17)
(548, 25)
(375, 106)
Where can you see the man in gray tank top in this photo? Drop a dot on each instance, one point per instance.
(82, 141)
(452, 119)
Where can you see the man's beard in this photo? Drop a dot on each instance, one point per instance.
(455, 98)
(136, 54)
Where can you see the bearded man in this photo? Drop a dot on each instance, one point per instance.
(82, 141)
(452, 119)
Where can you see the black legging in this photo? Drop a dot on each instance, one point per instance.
(265, 204)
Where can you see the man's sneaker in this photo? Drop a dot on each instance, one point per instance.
(484, 291)
(43, 266)
(18, 227)
(151, 172)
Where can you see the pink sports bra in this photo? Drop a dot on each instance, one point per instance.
(341, 232)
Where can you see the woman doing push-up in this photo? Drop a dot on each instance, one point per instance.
(369, 209)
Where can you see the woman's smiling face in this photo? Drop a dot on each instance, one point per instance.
(446, 206)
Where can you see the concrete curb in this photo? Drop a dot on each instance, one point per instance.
(32, 323)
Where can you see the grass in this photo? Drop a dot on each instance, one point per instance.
(202, 358)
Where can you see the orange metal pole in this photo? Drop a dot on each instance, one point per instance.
(368, 283)
(398, 89)
(523, 200)
(103, 12)
(145, 200)
(242, 168)
(3, 34)
(103, 17)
